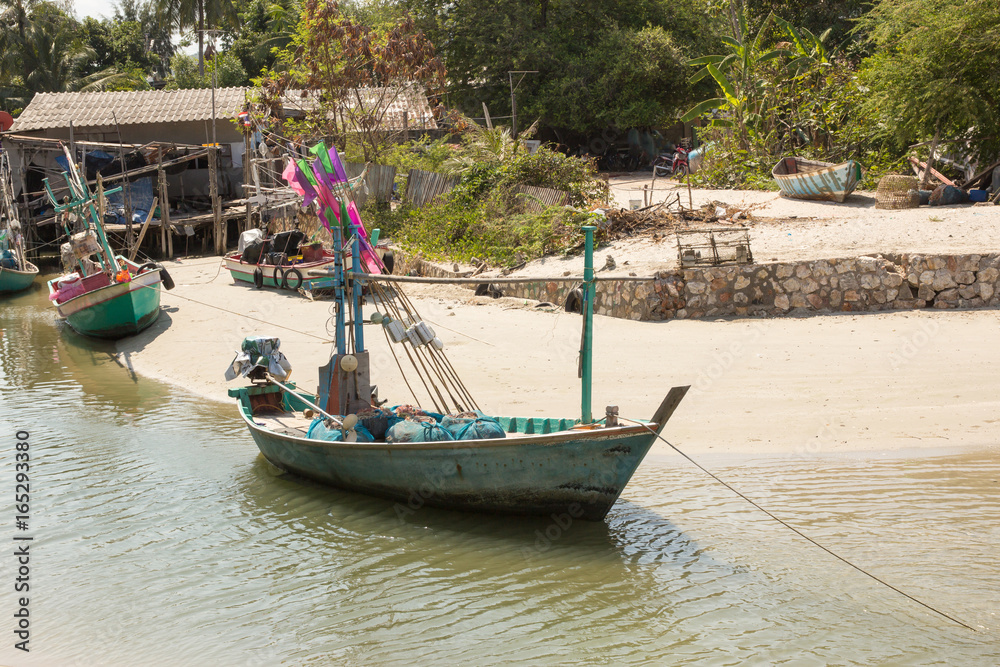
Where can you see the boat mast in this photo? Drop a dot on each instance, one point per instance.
(587, 351)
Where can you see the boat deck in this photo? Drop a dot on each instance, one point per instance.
(297, 425)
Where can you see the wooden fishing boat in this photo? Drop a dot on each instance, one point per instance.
(111, 297)
(16, 272)
(455, 456)
(811, 179)
(543, 466)
(290, 276)
(12, 280)
(109, 309)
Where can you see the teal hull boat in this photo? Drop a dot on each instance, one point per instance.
(114, 310)
(542, 467)
(810, 179)
(15, 281)
(454, 456)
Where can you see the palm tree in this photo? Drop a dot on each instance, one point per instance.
(199, 14)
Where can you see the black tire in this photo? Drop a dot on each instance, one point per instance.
(258, 278)
(165, 278)
(682, 171)
(279, 277)
(389, 260)
(574, 301)
(295, 273)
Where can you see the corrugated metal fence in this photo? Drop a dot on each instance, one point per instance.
(423, 186)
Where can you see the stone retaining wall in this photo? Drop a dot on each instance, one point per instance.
(862, 284)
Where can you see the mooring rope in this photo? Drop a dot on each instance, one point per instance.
(799, 532)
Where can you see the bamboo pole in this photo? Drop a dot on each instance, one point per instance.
(142, 232)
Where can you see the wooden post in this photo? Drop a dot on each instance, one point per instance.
(142, 233)
(166, 232)
(213, 183)
(247, 168)
(930, 159)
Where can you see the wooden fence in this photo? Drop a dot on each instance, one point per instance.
(378, 181)
(423, 186)
(535, 199)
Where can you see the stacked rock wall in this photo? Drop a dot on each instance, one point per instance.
(861, 284)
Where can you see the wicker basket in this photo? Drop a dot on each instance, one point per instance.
(896, 192)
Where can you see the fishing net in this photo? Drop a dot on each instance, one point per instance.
(407, 430)
(321, 430)
(896, 192)
(473, 426)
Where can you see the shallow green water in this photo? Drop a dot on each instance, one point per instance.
(162, 538)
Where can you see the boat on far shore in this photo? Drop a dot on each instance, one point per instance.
(811, 179)
(16, 272)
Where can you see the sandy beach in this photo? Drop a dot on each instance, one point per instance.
(832, 384)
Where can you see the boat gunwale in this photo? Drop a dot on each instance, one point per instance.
(22, 273)
(124, 288)
(557, 438)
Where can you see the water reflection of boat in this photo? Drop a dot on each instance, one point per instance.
(464, 460)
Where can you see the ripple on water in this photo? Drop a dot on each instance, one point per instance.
(169, 541)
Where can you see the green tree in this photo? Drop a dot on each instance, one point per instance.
(598, 63)
(201, 15)
(934, 71)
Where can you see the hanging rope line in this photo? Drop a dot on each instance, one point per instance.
(799, 532)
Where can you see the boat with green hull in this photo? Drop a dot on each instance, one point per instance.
(16, 272)
(114, 310)
(541, 467)
(451, 454)
(112, 296)
(12, 280)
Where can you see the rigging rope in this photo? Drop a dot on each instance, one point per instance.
(799, 532)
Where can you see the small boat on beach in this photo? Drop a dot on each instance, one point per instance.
(449, 454)
(811, 179)
(291, 275)
(103, 308)
(110, 296)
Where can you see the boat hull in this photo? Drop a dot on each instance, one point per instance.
(15, 281)
(242, 272)
(807, 179)
(577, 472)
(115, 311)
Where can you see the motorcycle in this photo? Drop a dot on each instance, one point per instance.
(663, 165)
(680, 165)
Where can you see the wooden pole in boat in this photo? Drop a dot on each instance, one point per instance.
(338, 267)
(588, 321)
(359, 336)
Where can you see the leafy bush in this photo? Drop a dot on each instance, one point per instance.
(451, 231)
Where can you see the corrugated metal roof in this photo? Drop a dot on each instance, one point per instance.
(412, 100)
(56, 110)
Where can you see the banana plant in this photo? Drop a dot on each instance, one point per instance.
(738, 75)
